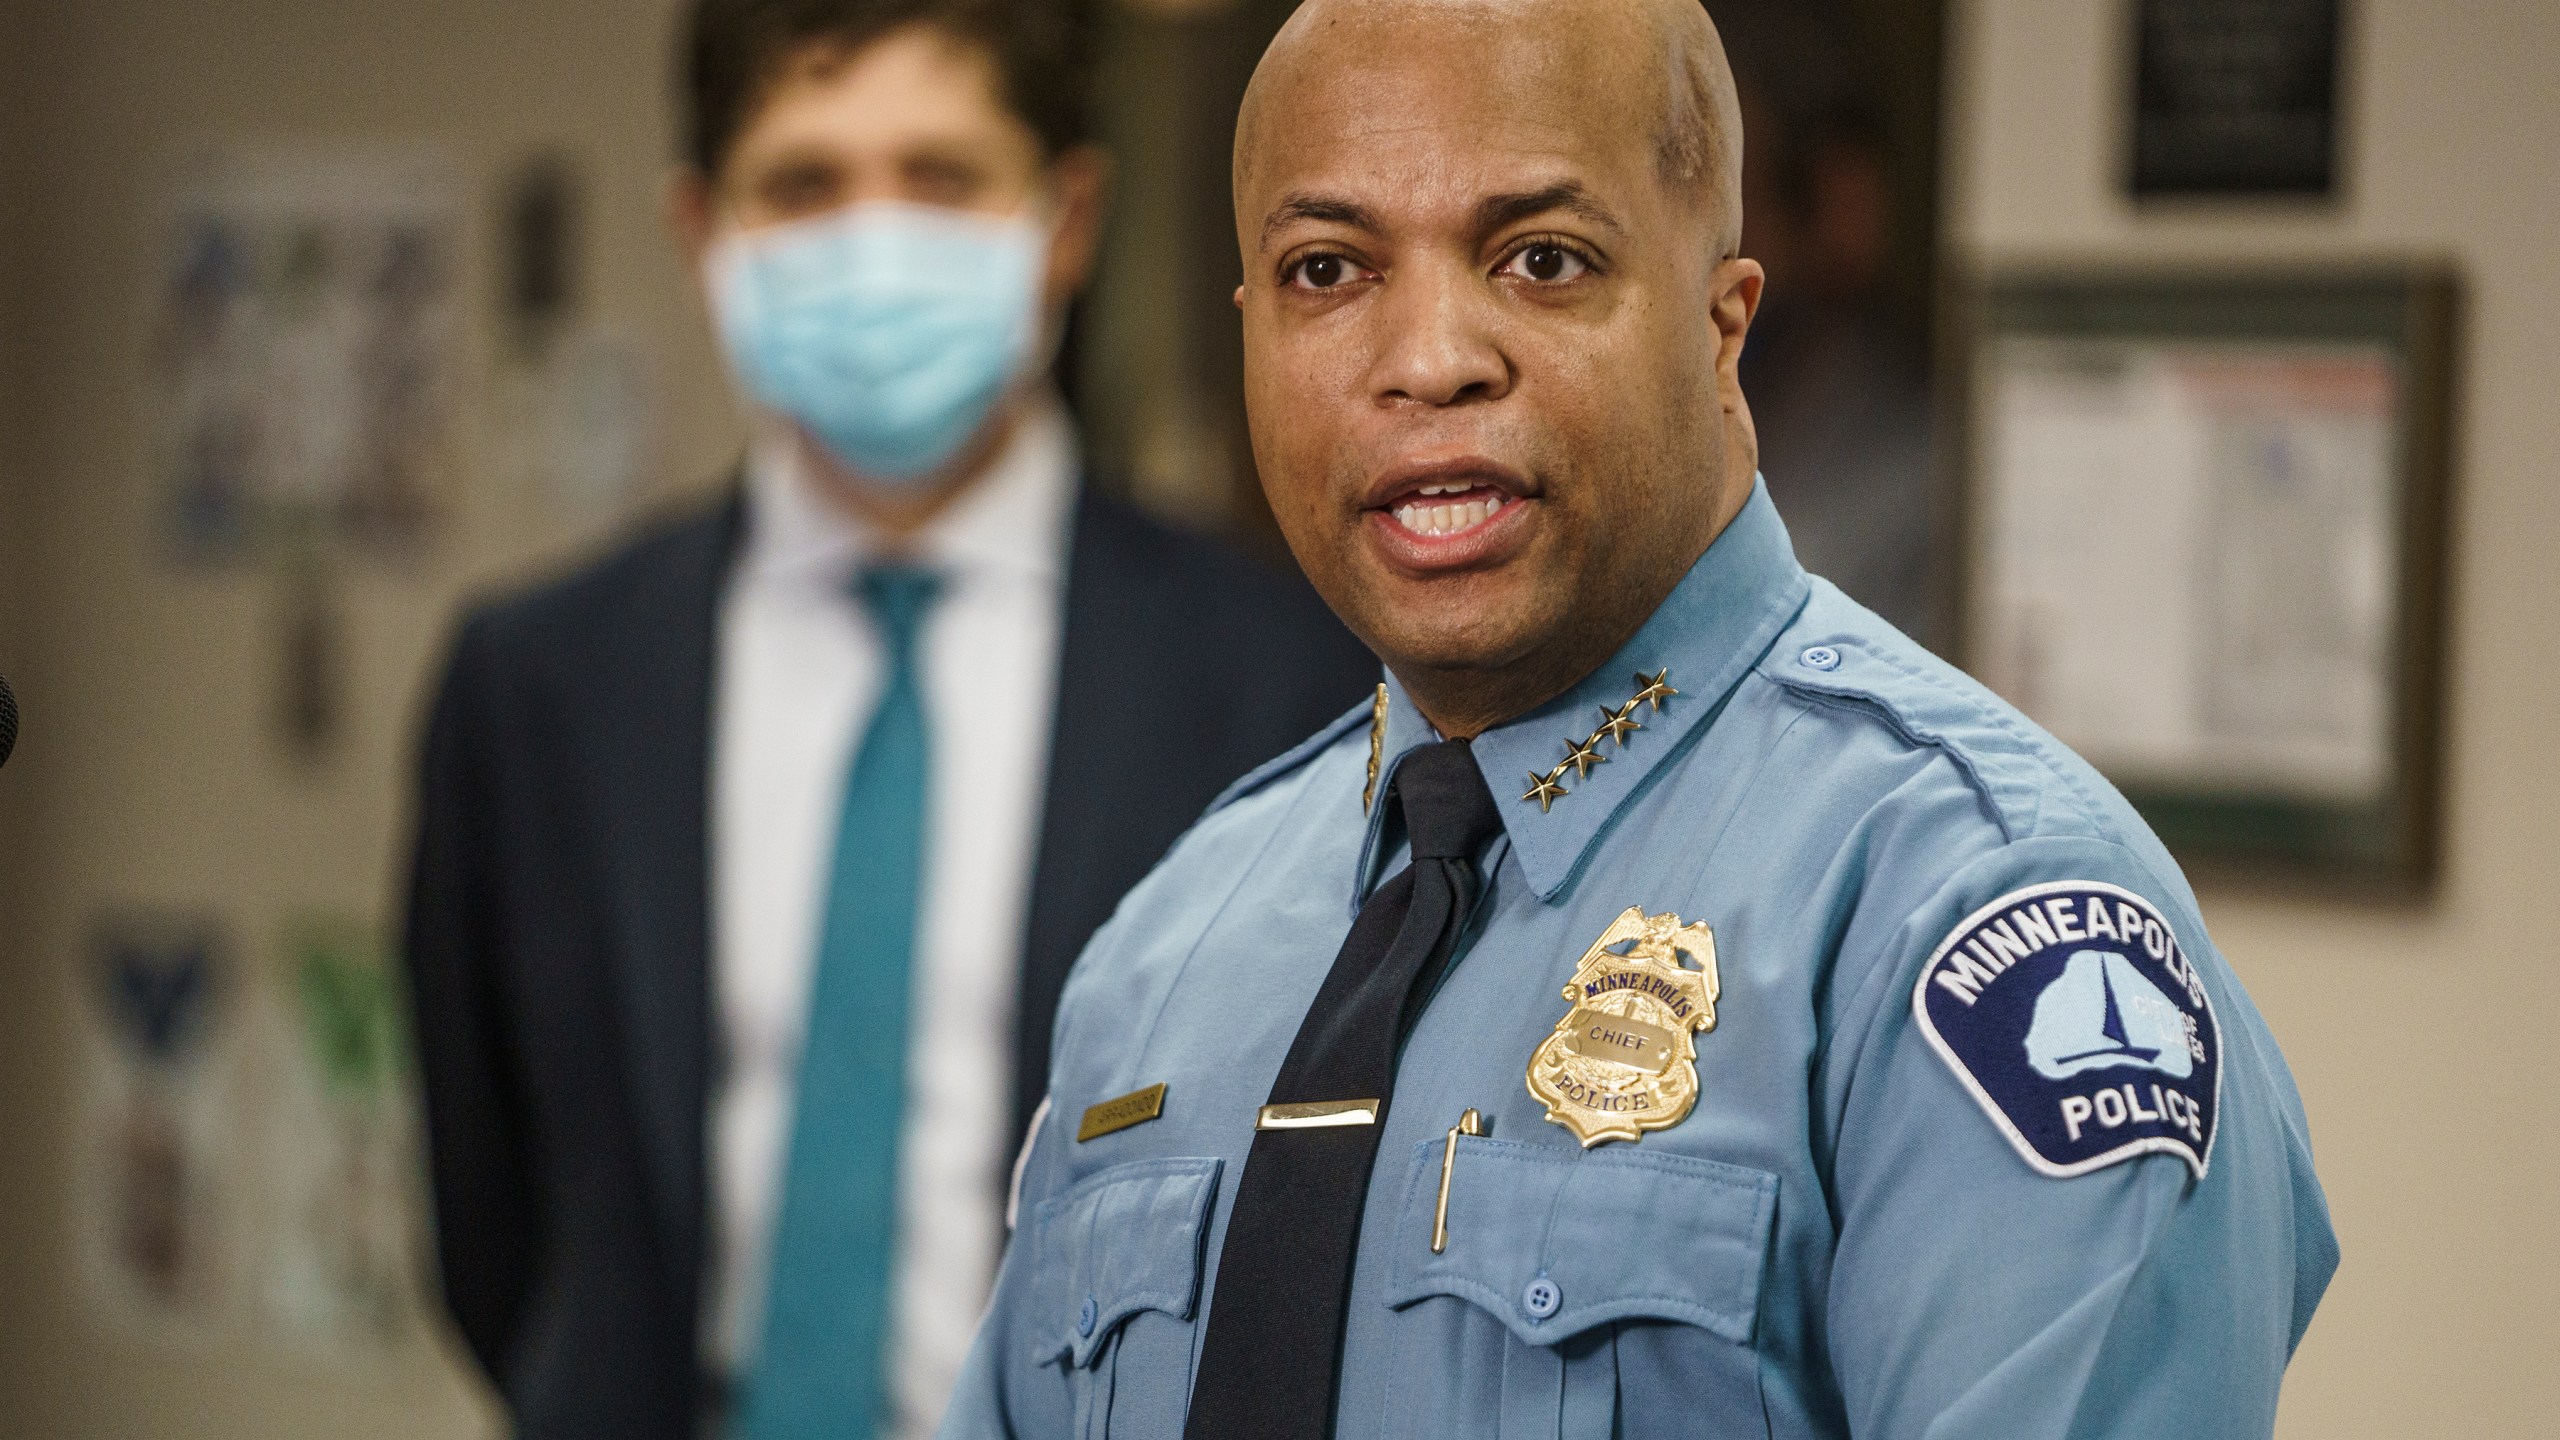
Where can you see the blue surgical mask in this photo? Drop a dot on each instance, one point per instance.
(888, 331)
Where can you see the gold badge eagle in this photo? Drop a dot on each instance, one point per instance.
(1623, 1059)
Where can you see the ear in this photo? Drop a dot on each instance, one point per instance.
(1733, 299)
(692, 213)
(1081, 180)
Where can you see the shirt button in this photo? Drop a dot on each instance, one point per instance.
(1542, 1298)
(1087, 1316)
(1820, 657)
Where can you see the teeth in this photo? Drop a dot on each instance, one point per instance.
(1446, 519)
(1441, 489)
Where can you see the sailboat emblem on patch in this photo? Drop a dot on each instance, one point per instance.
(2073, 1015)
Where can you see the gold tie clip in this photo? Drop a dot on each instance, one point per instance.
(1468, 1124)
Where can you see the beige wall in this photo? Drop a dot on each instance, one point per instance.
(2422, 1038)
(148, 772)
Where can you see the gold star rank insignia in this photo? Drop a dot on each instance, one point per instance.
(1581, 755)
(1656, 688)
(1546, 789)
(1584, 754)
(1377, 745)
(1623, 1060)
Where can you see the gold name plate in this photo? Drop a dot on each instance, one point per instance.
(1600, 1035)
(1317, 1115)
(1135, 1108)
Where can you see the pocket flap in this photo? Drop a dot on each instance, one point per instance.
(1553, 1241)
(1120, 1241)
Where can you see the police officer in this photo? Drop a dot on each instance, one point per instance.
(1679, 1004)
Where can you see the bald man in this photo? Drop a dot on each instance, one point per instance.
(1678, 1004)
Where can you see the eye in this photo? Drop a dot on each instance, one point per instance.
(939, 181)
(1321, 271)
(801, 188)
(1546, 263)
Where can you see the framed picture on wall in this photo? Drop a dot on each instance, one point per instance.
(2235, 101)
(2204, 521)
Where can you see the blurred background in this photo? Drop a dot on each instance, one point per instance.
(446, 222)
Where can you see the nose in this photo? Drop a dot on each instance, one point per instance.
(1439, 346)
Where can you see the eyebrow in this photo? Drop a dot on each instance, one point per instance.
(1496, 211)
(1492, 213)
(1327, 208)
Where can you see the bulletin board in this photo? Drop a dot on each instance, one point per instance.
(2204, 521)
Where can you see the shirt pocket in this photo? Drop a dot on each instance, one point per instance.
(1118, 1279)
(1622, 1289)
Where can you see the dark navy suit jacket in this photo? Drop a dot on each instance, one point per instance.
(558, 927)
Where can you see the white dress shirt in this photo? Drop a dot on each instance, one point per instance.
(798, 674)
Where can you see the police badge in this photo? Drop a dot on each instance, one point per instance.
(1622, 1060)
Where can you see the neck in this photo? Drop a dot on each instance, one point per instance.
(897, 513)
(1462, 702)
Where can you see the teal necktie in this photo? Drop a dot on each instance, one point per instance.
(818, 1370)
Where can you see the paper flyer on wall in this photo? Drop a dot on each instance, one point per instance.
(2187, 569)
(304, 350)
(337, 1264)
(155, 1242)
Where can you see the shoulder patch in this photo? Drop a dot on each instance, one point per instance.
(2076, 1019)
(1299, 754)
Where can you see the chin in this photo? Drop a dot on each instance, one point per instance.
(1432, 633)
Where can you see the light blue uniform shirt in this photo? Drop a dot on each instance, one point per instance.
(2065, 1190)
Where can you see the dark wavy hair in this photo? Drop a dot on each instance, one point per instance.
(735, 50)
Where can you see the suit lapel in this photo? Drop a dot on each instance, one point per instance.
(1108, 651)
(657, 793)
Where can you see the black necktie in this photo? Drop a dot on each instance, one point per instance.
(1270, 1364)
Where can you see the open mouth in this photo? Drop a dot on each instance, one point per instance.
(1440, 511)
(1453, 513)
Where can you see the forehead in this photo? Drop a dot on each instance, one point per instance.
(913, 84)
(1410, 106)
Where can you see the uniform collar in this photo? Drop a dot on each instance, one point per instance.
(1708, 633)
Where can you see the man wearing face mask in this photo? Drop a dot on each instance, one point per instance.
(752, 857)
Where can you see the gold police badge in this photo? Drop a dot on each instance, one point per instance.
(1622, 1060)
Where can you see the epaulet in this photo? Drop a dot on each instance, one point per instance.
(1305, 750)
(1843, 651)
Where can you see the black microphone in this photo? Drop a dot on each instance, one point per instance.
(8, 721)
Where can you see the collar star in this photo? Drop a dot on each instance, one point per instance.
(1656, 688)
(1582, 755)
(1546, 789)
(1617, 724)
